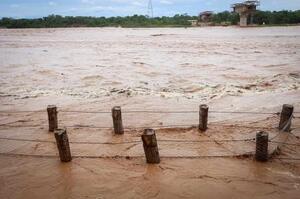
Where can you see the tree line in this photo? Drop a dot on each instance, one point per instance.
(56, 21)
(260, 17)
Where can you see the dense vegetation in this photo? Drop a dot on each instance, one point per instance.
(280, 17)
(260, 17)
(129, 21)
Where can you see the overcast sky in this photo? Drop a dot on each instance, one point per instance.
(39, 8)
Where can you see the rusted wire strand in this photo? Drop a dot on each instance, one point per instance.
(285, 143)
(245, 112)
(131, 142)
(143, 127)
(17, 112)
(182, 111)
(101, 112)
(127, 157)
(288, 122)
(242, 126)
(294, 159)
(143, 111)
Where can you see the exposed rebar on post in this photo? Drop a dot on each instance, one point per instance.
(63, 146)
(262, 141)
(150, 146)
(203, 114)
(285, 117)
(117, 120)
(52, 117)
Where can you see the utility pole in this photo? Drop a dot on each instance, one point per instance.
(150, 9)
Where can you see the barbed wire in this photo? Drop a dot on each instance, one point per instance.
(21, 126)
(284, 128)
(274, 137)
(103, 127)
(131, 142)
(246, 154)
(128, 157)
(294, 159)
(104, 112)
(246, 112)
(16, 112)
(142, 127)
(143, 111)
(242, 126)
(157, 126)
(294, 134)
(285, 143)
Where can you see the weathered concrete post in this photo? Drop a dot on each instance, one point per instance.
(203, 114)
(150, 146)
(285, 117)
(117, 120)
(62, 142)
(262, 141)
(52, 117)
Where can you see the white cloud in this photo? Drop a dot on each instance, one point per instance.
(52, 3)
(138, 3)
(166, 2)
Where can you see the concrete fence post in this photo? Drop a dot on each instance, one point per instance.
(262, 141)
(62, 142)
(285, 117)
(203, 115)
(117, 120)
(52, 117)
(150, 146)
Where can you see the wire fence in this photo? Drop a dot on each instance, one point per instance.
(134, 141)
(146, 111)
(142, 127)
(217, 141)
(125, 156)
(245, 155)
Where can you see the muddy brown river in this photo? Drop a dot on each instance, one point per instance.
(149, 73)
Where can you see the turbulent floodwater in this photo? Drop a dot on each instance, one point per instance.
(201, 64)
(173, 69)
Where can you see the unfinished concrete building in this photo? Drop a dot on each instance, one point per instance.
(246, 11)
(205, 18)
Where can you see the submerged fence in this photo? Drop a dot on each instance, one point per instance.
(149, 137)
